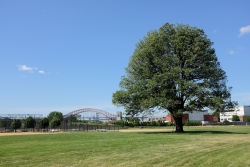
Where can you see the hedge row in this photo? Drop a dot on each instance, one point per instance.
(151, 123)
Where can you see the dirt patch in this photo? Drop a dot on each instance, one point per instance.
(146, 130)
(26, 133)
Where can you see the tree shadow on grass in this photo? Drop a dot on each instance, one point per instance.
(196, 132)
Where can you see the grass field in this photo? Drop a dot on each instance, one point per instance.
(198, 146)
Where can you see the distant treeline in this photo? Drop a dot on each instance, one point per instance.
(54, 120)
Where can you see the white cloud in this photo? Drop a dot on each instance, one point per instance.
(41, 72)
(231, 52)
(25, 68)
(30, 69)
(244, 30)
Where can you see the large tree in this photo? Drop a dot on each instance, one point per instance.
(174, 69)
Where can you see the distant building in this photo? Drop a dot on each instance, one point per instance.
(156, 118)
(241, 111)
(194, 116)
(118, 115)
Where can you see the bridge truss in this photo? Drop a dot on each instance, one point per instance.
(98, 111)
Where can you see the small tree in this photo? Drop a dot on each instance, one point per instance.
(73, 118)
(235, 118)
(55, 119)
(55, 122)
(30, 123)
(44, 123)
(247, 119)
(16, 124)
(5, 123)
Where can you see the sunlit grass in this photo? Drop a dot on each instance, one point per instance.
(198, 146)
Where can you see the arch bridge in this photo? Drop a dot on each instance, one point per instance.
(79, 111)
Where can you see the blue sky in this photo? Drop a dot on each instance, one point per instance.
(64, 55)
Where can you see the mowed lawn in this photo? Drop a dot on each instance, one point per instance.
(198, 146)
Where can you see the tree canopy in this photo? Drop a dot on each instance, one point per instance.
(5, 123)
(55, 114)
(174, 69)
(16, 124)
(44, 123)
(55, 122)
(235, 118)
(30, 122)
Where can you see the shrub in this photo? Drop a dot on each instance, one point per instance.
(121, 123)
(162, 123)
(247, 119)
(143, 123)
(226, 122)
(192, 123)
(158, 123)
(136, 123)
(126, 123)
(220, 123)
(170, 123)
(130, 124)
(83, 121)
(235, 118)
(153, 123)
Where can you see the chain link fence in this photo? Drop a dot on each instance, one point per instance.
(5, 126)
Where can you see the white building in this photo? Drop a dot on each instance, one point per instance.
(197, 115)
(240, 111)
(155, 118)
(203, 115)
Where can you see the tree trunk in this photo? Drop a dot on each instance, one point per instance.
(179, 125)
